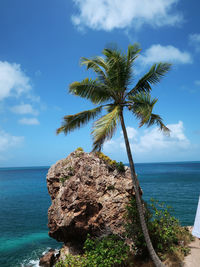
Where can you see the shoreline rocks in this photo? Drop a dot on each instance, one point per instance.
(49, 258)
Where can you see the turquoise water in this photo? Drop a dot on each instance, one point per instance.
(23, 216)
(24, 203)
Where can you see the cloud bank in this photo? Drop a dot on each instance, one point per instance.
(152, 143)
(116, 14)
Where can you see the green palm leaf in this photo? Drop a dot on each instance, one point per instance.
(133, 51)
(104, 128)
(153, 76)
(156, 119)
(72, 122)
(142, 106)
(91, 89)
(95, 64)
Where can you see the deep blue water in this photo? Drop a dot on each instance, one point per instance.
(24, 202)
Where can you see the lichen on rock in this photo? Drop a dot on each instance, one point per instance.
(88, 197)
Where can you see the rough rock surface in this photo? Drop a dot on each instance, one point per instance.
(87, 197)
(49, 259)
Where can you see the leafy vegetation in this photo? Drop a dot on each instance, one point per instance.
(168, 237)
(106, 252)
(120, 166)
(113, 164)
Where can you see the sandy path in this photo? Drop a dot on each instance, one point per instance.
(193, 259)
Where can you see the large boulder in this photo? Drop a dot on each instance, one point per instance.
(88, 196)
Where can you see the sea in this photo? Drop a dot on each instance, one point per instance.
(24, 202)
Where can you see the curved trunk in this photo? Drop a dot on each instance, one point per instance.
(151, 250)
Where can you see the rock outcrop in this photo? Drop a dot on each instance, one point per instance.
(49, 258)
(87, 197)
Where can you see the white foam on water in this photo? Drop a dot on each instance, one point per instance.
(35, 263)
(32, 263)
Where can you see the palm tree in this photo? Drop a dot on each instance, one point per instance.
(112, 90)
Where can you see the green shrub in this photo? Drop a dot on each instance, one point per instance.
(72, 261)
(106, 252)
(112, 164)
(120, 166)
(166, 233)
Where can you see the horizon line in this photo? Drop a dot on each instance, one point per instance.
(156, 162)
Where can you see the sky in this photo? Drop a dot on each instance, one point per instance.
(40, 49)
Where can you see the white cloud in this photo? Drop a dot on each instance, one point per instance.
(132, 133)
(24, 109)
(195, 40)
(13, 81)
(169, 53)
(29, 121)
(7, 140)
(152, 143)
(154, 139)
(111, 14)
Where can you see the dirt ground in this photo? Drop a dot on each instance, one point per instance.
(193, 259)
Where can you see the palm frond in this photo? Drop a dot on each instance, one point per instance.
(142, 105)
(133, 51)
(72, 122)
(119, 71)
(104, 128)
(156, 119)
(109, 108)
(90, 89)
(96, 65)
(111, 53)
(101, 62)
(153, 76)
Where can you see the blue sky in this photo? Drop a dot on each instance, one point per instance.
(40, 48)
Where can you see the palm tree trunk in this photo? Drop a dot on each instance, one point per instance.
(151, 250)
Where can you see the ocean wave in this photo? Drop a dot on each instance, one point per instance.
(35, 262)
(31, 263)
